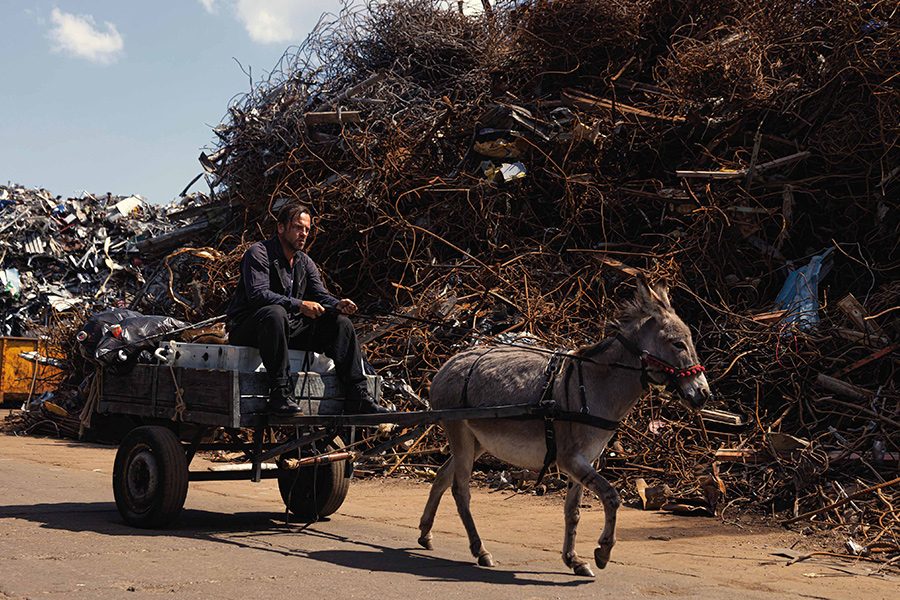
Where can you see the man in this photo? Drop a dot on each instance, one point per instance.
(281, 303)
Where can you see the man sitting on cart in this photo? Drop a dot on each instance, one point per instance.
(281, 303)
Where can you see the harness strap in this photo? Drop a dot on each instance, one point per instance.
(579, 417)
(628, 344)
(550, 412)
(547, 405)
(584, 406)
(464, 396)
(550, 456)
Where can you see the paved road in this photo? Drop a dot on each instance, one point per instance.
(61, 537)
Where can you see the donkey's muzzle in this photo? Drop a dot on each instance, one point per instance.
(700, 397)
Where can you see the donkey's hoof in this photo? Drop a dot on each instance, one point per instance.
(485, 560)
(601, 556)
(583, 570)
(425, 542)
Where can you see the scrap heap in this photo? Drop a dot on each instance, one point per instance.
(509, 171)
(69, 253)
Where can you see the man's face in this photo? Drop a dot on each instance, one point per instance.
(294, 234)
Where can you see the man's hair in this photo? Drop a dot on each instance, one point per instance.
(290, 211)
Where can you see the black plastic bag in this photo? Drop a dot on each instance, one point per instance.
(123, 336)
(97, 326)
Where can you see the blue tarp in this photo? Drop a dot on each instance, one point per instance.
(800, 293)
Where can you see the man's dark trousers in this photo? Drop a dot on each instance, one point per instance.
(273, 331)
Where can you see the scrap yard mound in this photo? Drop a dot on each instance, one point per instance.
(507, 172)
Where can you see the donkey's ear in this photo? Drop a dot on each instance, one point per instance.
(647, 296)
(644, 294)
(662, 291)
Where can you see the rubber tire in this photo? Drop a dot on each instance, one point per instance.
(146, 451)
(311, 493)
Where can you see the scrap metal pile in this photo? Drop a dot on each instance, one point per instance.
(59, 254)
(508, 172)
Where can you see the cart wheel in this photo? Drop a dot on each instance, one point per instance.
(150, 477)
(311, 493)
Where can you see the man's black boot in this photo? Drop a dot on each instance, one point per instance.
(282, 402)
(364, 405)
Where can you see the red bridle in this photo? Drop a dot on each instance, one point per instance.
(648, 362)
(648, 359)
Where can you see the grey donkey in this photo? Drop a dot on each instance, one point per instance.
(654, 347)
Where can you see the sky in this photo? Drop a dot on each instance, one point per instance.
(121, 96)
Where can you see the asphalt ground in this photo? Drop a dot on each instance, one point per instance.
(62, 537)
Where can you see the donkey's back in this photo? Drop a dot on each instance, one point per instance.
(490, 377)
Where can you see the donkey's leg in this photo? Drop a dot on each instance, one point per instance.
(573, 515)
(440, 484)
(465, 450)
(582, 471)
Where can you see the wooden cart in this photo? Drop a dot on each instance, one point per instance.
(202, 388)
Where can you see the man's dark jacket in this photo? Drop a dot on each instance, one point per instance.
(267, 278)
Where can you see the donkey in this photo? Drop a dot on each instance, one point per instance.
(652, 346)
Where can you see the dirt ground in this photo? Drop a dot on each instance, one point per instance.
(61, 537)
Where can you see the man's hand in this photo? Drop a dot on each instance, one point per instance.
(311, 309)
(346, 306)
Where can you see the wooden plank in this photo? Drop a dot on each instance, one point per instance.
(358, 88)
(858, 336)
(254, 406)
(721, 416)
(721, 174)
(114, 407)
(136, 387)
(842, 388)
(864, 361)
(768, 318)
(741, 455)
(201, 417)
(235, 401)
(254, 395)
(335, 117)
(311, 385)
(149, 391)
(738, 173)
(585, 101)
(206, 390)
(855, 311)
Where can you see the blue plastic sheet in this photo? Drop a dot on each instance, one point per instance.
(800, 293)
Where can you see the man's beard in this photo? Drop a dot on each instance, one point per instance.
(295, 246)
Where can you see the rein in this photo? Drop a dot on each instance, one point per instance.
(649, 362)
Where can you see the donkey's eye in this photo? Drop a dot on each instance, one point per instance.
(680, 345)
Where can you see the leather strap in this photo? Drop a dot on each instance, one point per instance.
(464, 396)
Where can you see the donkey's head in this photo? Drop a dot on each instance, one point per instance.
(665, 342)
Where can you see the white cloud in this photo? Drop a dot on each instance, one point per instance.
(210, 6)
(277, 21)
(79, 36)
(473, 7)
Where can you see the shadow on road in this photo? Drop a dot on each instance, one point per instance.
(269, 532)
